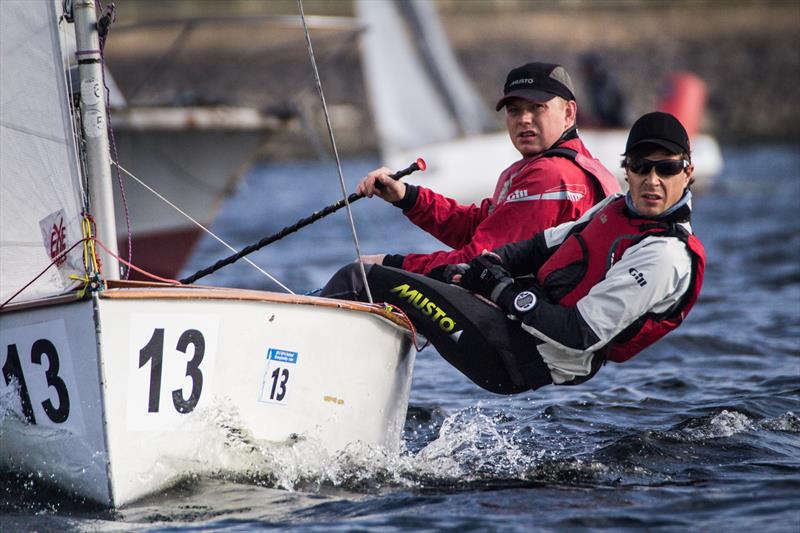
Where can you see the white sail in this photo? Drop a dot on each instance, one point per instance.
(40, 203)
(409, 110)
(462, 98)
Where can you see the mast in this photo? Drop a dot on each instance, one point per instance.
(95, 127)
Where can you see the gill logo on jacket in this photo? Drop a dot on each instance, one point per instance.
(426, 306)
(573, 193)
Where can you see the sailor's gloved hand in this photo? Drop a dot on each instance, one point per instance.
(454, 273)
(487, 276)
(516, 299)
(448, 273)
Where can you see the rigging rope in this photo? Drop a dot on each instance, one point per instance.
(55, 260)
(335, 151)
(201, 226)
(89, 257)
(134, 267)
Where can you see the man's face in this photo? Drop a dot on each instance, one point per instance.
(652, 193)
(535, 126)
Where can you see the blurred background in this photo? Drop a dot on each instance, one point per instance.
(207, 88)
(746, 52)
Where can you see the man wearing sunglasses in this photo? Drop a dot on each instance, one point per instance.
(556, 307)
(611, 283)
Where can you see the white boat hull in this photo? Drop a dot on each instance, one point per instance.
(148, 397)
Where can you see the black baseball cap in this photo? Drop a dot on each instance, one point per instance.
(661, 129)
(537, 82)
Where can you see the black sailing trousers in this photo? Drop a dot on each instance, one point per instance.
(475, 337)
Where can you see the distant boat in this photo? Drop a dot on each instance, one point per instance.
(424, 104)
(194, 153)
(194, 156)
(114, 390)
(192, 147)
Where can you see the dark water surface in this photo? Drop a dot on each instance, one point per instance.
(699, 432)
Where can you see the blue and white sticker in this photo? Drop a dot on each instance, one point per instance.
(280, 369)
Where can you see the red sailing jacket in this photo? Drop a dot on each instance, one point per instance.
(584, 258)
(531, 195)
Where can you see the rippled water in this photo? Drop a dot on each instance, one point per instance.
(700, 432)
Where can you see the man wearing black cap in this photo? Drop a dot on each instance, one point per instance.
(611, 283)
(557, 179)
(556, 307)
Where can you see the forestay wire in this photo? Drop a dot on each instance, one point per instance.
(335, 151)
(201, 226)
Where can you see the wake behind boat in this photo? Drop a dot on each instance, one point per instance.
(108, 386)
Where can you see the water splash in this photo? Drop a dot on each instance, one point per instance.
(471, 446)
(729, 423)
(10, 408)
(788, 422)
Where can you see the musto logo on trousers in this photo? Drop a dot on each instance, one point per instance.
(426, 306)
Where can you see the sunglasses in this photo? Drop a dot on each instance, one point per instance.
(665, 167)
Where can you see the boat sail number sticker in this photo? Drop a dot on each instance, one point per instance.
(277, 379)
(38, 381)
(170, 364)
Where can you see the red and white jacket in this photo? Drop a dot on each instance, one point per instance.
(610, 284)
(531, 195)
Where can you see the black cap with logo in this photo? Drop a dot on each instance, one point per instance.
(661, 129)
(537, 82)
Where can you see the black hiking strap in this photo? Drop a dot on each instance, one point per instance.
(567, 153)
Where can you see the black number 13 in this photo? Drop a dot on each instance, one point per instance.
(279, 378)
(153, 352)
(12, 371)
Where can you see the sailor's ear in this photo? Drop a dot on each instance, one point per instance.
(689, 177)
(571, 110)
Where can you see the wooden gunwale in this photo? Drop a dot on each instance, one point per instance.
(138, 290)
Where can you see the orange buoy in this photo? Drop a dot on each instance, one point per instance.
(685, 97)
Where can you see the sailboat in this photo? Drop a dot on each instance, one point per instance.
(423, 103)
(111, 390)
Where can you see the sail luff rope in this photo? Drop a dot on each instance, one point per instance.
(202, 227)
(84, 187)
(335, 151)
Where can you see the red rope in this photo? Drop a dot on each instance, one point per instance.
(31, 282)
(399, 312)
(63, 254)
(137, 269)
